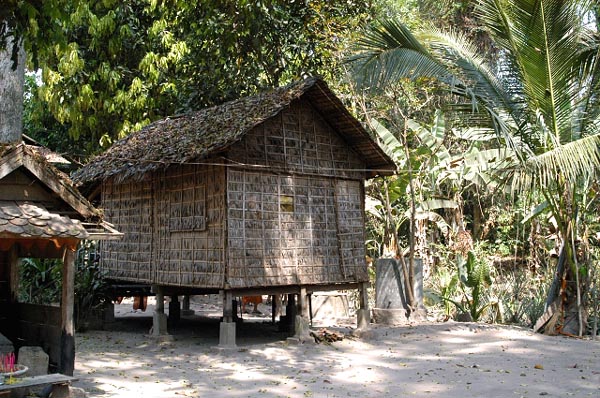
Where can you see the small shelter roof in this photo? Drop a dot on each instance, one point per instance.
(33, 220)
(198, 135)
(26, 220)
(14, 156)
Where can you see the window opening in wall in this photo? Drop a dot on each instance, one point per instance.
(286, 204)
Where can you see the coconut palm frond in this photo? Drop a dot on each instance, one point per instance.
(568, 162)
(461, 56)
(390, 52)
(543, 41)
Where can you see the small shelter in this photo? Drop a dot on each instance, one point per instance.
(42, 215)
(261, 195)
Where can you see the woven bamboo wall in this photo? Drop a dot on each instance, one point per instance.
(190, 227)
(299, 140)
(306, 225)
(129, 207)
(288, 230)
(173, 225)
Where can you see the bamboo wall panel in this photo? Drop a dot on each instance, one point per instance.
(130, 207)
(349, 198)
(288, 230)
(173, 225)
(190, 239)
(299, 140)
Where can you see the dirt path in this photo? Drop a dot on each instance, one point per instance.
(427, 360)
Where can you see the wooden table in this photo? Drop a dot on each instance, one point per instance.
(59, 382)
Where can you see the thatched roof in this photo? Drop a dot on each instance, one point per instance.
(198, 135)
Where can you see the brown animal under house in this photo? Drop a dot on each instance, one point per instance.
(261, 195)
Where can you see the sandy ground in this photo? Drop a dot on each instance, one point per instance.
(425, 360)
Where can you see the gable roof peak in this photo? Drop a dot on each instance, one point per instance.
(197, 135)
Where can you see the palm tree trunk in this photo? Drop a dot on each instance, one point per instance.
(568, 286)
(410, 277)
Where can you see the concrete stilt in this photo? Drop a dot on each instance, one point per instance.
(174, 310)
(302, 320)
(185, 310)
(286, 322)
(159, 318)
(228, 326)
(109, 312)
(363, 315)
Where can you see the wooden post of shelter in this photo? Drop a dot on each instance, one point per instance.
(13, 266)
(67, 344)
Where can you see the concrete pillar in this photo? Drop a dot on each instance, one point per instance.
(302, 320)
(159, 318)
(109, 311)
(227, 327)
(421, 311)
(174, 310)
(275, 307)
(185, 310)
(390, 298)
(363, 314)
(291, 310)
(303, 307)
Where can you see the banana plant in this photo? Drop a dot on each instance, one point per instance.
(474, 275)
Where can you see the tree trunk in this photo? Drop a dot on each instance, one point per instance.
(11, 93)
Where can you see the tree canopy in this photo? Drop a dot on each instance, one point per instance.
(540, 98)
(110, 67)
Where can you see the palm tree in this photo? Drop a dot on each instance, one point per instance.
(540, 95)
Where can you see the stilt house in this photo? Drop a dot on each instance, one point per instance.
(259, 195)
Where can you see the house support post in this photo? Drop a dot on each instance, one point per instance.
(302, 320)
(288, 323)
(227, 327)
(67, 327)
(185, 310)
(174, 310)
(159, 318)
(363, 314)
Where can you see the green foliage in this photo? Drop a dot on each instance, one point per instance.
(474, 275)
(443, 289)
(40, 280)
(39, 124)
(38, 23)
(90, 285)
(522, 293)
(108, 78)
(540, 97)
(463, 281)
(119, 65)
